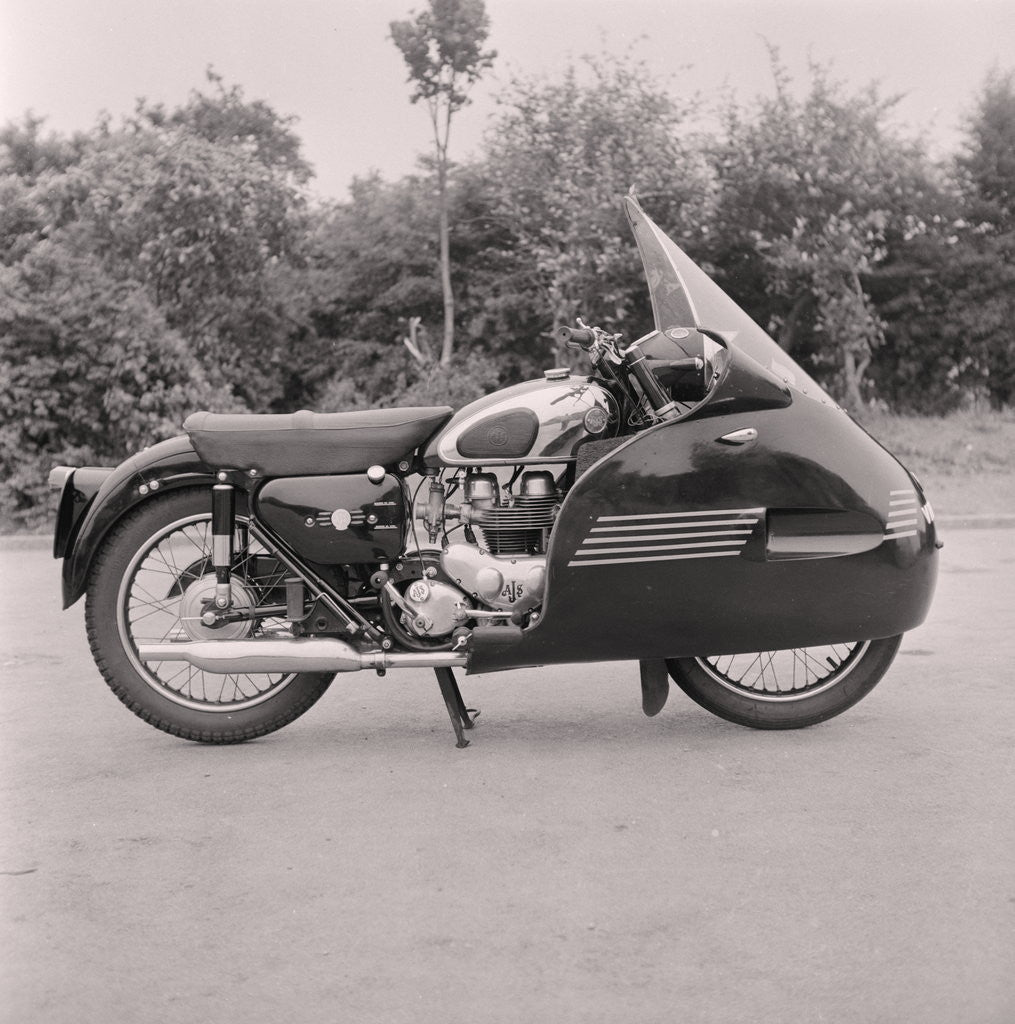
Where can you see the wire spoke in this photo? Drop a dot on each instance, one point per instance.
(182, 552)
(788, 673)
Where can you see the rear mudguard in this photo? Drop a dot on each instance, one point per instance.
(700, 537)
(163, 467)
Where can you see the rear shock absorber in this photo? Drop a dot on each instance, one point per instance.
(223, 516)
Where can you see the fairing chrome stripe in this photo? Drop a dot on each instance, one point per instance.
(666, 536)
(672, 526)
(654, 558)
(903, 502)
(684, 515)
(679, 527)
(660, 547)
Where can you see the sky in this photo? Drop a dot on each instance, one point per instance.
(332, 65)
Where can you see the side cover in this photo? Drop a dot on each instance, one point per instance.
(336, 519)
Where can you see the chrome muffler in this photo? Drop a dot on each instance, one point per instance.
(308, 654)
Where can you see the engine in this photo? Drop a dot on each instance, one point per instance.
(515, 526)
(493, 572)
(498, 571)
(504, 568)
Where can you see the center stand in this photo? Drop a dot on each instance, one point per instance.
(462, 718)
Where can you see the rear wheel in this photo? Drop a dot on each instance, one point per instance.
(149, 583)
(786, 689)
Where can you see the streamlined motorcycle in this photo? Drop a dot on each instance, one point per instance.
(697, 503)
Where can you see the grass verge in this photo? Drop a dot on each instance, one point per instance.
(966, 461)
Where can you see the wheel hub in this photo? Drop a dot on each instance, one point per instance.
(199, 597)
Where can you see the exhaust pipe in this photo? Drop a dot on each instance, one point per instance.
(312, 654)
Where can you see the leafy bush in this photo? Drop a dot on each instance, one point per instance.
(90, 373)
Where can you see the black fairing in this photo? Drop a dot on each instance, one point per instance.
(620, 584)
(744, 386)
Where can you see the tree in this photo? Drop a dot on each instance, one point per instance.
(226, 117)
(145, 271)
(559, 160)
(947, 288)
(811, 193)
(90, 373)
(442, 47)
(27, 154)
(988, 164)
(989, 188)
(375, 292)
(207, 229)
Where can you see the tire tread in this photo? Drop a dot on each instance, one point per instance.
(741, 709)
(287, 709)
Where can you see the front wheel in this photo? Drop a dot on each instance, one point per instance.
(787, 689)
(149, 584)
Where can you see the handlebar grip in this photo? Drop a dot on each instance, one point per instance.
(577, 337)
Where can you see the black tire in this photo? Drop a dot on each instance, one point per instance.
(814, 684)
(147, 546)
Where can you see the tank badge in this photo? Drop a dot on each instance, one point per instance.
(341, 518)
(596, 420)
(497, 436)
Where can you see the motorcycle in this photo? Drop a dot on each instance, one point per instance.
(697, 504)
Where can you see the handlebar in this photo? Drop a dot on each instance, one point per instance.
(662, 382)
(576, 337)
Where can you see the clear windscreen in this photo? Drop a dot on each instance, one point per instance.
(684, 298)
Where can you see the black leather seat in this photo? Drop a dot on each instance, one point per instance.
(310, 443)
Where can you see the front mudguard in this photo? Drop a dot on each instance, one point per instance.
(166, 466)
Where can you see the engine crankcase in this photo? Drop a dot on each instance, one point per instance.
(504, 582)
(437, 608)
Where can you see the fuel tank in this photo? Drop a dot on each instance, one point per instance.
(539, 421)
